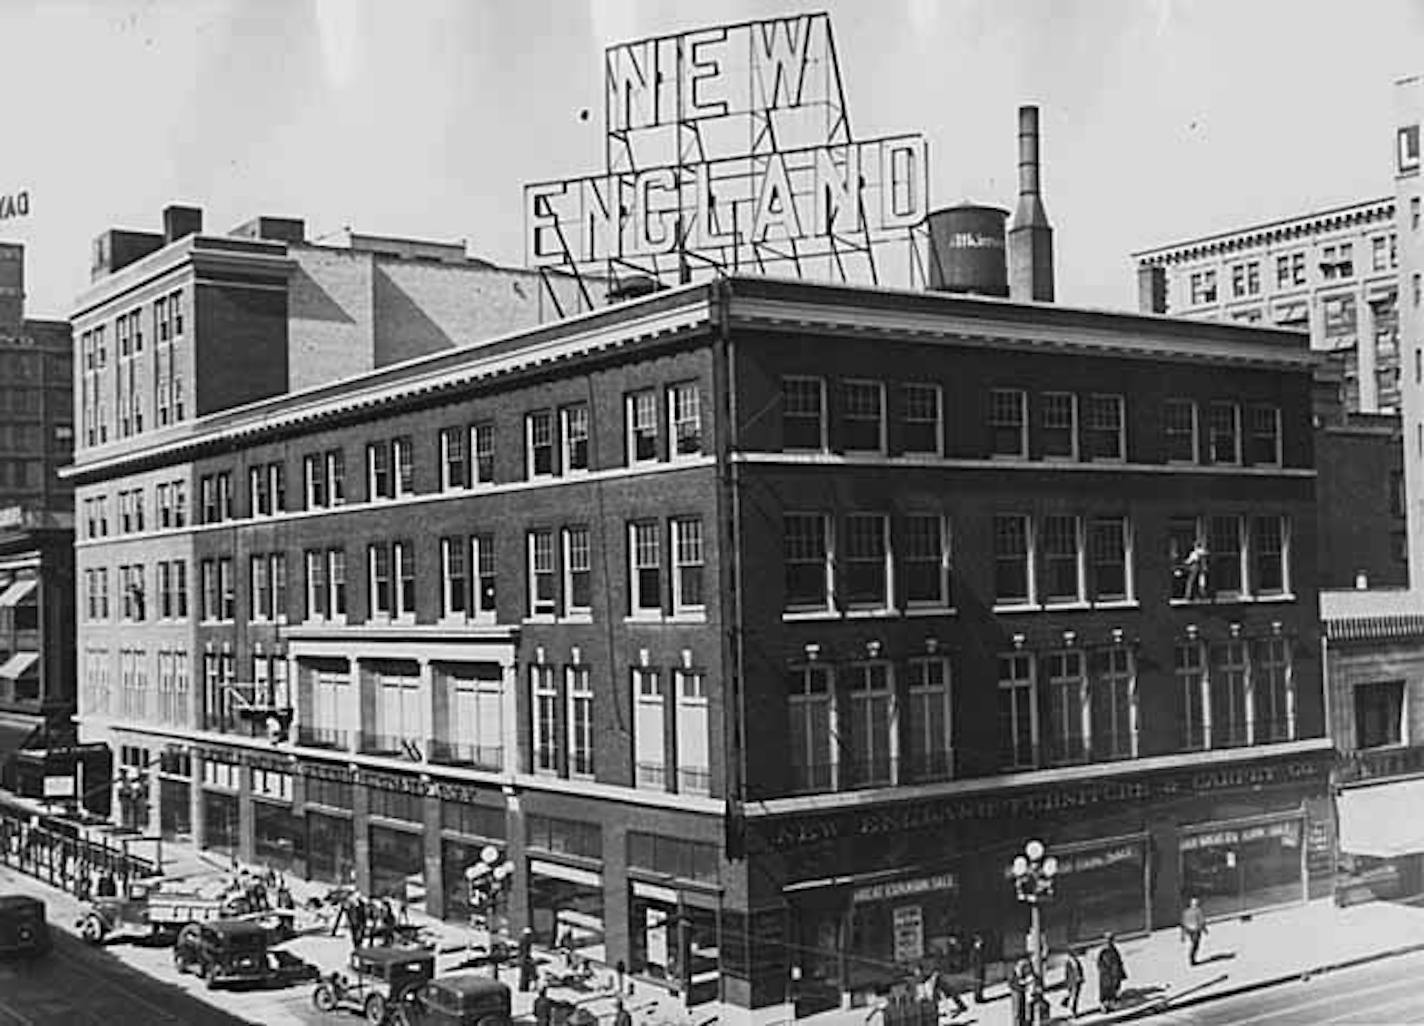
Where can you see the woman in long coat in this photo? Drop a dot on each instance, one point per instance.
(1111, 973)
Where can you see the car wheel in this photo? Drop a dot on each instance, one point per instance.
(92, 929)
(324, 997)
(376, 1010)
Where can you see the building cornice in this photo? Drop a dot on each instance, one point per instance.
(1352, 215)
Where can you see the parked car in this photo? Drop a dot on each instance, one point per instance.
(24, 930)
(223, 951)
(148, 907)
(379, 981)
(456, 999)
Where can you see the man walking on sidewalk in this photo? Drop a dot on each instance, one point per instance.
(1193, 929)
(1072, 982)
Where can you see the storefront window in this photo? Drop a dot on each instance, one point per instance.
(1240, 868)
(280, 838)
(220, 822)
(331, 847)
(175, 810)
(1100, 889)
(397, 865)
(673, 941)
(817, 939)
(567, 907)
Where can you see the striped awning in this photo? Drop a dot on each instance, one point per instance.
(1383, 819)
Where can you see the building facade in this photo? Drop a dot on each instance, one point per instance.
(36, 397)
(682, 602)
(1333, 273)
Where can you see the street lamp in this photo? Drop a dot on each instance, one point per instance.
(1034, 874)
(487, 880)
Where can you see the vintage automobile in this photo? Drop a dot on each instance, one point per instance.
(456, 999)
(381, 978)
(23, 928)
(223, 951)
(147, 907)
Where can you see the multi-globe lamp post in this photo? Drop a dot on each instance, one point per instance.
(487, 880)
(1034, 874)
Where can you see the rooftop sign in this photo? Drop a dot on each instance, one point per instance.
(730, 147)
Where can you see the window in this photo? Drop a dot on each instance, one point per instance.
(806, 557)
(1337, 261)
(1224, 546)
(685, 419)
(649, 748)
(1112, 704)
(336, 582)
(924, 562)
(871, 726)
(694, 765)
(545, 692)
(575, 431)
(1246, 279)
(1190, 671)
(687, 580)
(1008, 422)
(227, 592)
(1108, 560)
(379, 561)
(1012, 570)
(1067, 734)
(454, 575)
(1062, 561)
(1105, 429)
(930, 754)
(867, 561)
(1179, 417)
(314, 477)
(543, 586)
(803, 413)
(1059, 411)
(580, 719)
(578, 573)
(1290, 270)
(642, 427)
(1203, 287)
(539, 440)
(403, 456)
(379, 482)
(1268, 556)
(1227, 726)
(209, 573)
(336, 476)
(483, 566)
(923, 429)
(864, 416)
(1378, 256)
(645, 569)
(1379, 714)
(1264, 444)
(261, 589)
(1272, 691)
(1224, 432)
(403, 556)
(316, 593)
(454, 458)
(266, 489)
(1188, 557)
(811, 709)
(1018, 712)
(482, 454)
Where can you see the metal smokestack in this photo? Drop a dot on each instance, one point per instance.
(1030, 237)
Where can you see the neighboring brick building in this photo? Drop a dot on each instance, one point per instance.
(682, 602)
(36, 396)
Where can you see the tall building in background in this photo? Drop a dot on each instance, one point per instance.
(1333, 273)
(36, 397)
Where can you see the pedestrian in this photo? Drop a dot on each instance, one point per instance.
(1193, 929)
(1111, 973)
(621, 1016)
(526, 960)
(1072, 982)
(1019, 985)
(543, 1007)
(356, 917)
(622, 970)
(979, 962)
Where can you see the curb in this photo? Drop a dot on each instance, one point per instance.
(1299, 975)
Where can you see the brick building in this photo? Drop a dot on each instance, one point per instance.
(681, 602)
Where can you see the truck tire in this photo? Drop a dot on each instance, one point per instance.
(324, 997)
(92, 929)
(376, 1010)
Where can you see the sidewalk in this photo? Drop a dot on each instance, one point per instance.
(1237, 956)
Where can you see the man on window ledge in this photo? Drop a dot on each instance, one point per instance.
(1196, 568)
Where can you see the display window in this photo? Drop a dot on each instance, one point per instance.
(397, 864)
(673, 938)
(1243, 866)
(175, 810)
(566, 907)
(279, 838)
(331, 848)
(220, 822)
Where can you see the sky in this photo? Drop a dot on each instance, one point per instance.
(1162, 119)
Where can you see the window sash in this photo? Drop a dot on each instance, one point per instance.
(1180, 429)
(866, 563)
(645, 567)
(543, 585)
(803, 413)
(1018, 714)
(685, 419)
(807, 560)
(1013, 578)
(688, 568)
(539, 428)
(1008, 424)
(576, 434)
(1106, 427)
(1059, 418)
(1060, 543)
(864, 415)
(578, 571)
(643, 427)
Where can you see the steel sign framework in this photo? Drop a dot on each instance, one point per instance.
(730, 149)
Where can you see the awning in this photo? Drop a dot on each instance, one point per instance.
(16, 732)
(1382, 819)
(18, 665)
(18, 592)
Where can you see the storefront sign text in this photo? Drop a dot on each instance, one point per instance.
(904, 888)
(1288, 831)
(930, 814)
(389, 782)
(463, 793)
(15, 204)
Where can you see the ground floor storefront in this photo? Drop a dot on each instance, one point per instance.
(870, 893)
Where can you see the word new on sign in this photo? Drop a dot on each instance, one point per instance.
(16, 204)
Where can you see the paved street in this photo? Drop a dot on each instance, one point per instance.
(1379, 993)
